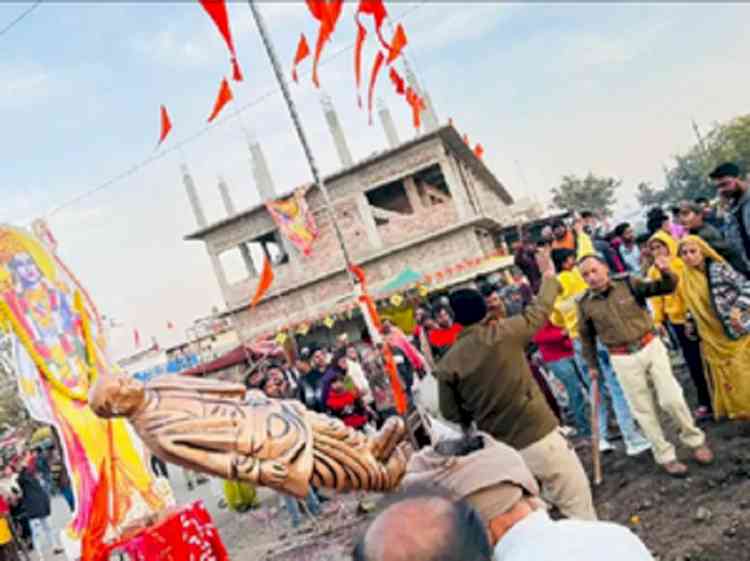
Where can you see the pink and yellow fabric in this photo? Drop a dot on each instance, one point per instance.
(56, 359)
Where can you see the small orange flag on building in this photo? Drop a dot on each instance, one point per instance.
(166, 125)
(224, 97)
(479, 151)
(377, 65)
(266, 279)
(303, 51)
(397, 44)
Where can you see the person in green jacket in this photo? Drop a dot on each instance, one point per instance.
(485, 379)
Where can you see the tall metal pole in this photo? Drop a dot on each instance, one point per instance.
(265, 37)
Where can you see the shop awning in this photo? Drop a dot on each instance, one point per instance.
(403, 280)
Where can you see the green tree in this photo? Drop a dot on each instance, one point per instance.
(594, 193)
(688, 176)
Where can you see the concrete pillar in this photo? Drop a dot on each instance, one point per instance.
(371, 229)
(247, 258)
(221, 276)
(410, 187)
(226, 198)
(388, 125)
(192, 193)
(455, 187)
(261, 173)
(334, 126)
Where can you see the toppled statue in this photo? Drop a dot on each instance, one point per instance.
(222, 429)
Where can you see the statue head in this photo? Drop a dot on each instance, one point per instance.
(116, 395)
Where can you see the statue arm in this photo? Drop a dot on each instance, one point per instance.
(212, 388)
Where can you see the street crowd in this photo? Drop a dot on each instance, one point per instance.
(514, 364)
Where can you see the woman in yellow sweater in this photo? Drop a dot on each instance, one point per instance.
(671, 312)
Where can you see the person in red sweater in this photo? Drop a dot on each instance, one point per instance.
(443, 336)
(556, 349)
(343, 402)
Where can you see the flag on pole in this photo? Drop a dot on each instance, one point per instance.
(224, 96)
(479, 151)
(303, 51)
(295, 220)
(166, 125)
(266, 278)
(217, 9)
(397, 44)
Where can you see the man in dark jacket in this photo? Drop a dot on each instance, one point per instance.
(728, 180)
(35, 507)
(485, 378)
(693, 218)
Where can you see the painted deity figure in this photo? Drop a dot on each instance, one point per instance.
(55, 369)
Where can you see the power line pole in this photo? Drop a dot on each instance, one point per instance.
(270, 51)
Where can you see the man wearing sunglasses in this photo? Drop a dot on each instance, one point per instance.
(728, 180)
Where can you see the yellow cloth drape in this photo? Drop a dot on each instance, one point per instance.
(727, 360)
(5, 536)
(672, 306)
(565, 312)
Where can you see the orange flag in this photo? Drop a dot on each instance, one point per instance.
(266, 278)
(377, 65)
(217, 9)
(327, 12)
(397, 44)
(166, 125)
(466, 138)
(303, 51)
(224, 97)
(376, 9)
(479, 151)
(397, 80)
(361, 35)
(417, 106)
(93, 535)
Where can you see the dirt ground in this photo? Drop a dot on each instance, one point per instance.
(705, 517)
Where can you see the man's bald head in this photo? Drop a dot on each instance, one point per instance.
(425, 525)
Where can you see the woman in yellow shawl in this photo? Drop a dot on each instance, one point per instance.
(718, 298)
(670, 313)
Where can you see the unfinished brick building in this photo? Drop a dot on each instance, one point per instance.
(427, 203)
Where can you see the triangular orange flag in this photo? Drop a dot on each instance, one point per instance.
(377, 65)
(266, 278)
(303, 51)
(224, 97)
(166, 124)
(217, 10)
(93, 535)
(479, 151)
(397, 44)
(398, 81)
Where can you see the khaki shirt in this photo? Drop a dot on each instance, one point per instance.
(485, 376)
(618, 315)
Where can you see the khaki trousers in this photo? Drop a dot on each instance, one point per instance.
(634, 372)
(554, 462)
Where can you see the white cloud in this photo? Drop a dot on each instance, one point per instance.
(25, 84)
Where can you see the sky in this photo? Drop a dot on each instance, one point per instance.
(548, 89)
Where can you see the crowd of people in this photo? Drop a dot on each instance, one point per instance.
(613, 306)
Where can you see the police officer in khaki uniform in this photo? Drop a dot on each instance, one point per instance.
(614, 309)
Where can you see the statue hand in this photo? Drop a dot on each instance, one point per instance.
(272, 474)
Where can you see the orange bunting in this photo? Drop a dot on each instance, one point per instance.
(377, 65)
(466, 139)
(398, 81)
(417, 106)
(327, 12)
(397, 44)
(217, 9)
(266, 279)
(166, 125)
(92, 539)
(224, 97)
(361, 35)
(376, 9)
(303, 51)
(479, 151)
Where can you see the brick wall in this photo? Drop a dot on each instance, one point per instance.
(324, 296)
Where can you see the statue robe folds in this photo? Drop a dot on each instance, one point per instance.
(220, 429)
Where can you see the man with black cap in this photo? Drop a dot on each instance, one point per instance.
(485, 378)
(727, 179)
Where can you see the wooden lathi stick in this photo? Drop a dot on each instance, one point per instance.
(595, 404)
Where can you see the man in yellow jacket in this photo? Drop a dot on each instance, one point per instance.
(670, 313)
(565, 314)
